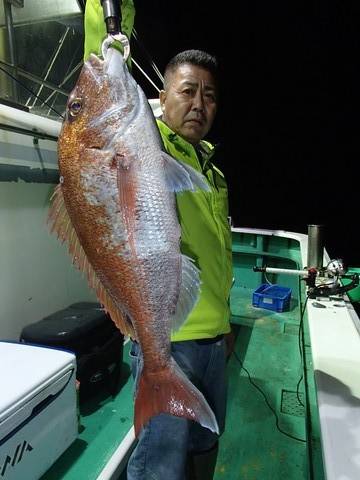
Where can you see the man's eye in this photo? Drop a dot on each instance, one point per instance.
(211, 97)
(187, 91)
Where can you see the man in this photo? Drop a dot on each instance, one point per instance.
(169, 447)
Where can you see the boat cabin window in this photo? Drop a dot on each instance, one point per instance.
(41, 51)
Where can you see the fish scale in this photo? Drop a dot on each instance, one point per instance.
(116, 209)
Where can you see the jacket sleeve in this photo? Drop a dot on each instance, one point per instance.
(94, 25)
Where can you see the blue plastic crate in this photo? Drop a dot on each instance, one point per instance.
(272, 297)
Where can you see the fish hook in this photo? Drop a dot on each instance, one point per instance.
(110, 39)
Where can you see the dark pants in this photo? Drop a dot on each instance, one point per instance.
(165, 442)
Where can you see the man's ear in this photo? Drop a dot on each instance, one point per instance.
(162, 98)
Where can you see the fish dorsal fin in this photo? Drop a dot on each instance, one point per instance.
(189, 292)
(61, 225)
(180, 176)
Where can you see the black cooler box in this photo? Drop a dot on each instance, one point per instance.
(85, 329)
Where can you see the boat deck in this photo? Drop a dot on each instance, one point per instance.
(271, 348)
(252, 447)
(267, 345)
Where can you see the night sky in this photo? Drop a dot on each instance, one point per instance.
(288, 124)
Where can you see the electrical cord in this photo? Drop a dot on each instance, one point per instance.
(297, 390)
(302, 313)
(267, 402)
(300, 350)
(299, 339)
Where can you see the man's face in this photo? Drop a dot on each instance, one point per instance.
(189, 102)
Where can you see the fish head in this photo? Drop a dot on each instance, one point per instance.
(98, 106)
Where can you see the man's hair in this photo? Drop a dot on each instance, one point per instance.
(192, 57)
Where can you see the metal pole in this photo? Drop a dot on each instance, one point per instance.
(287, 271)
(12, 46)
(315, 246)
(36, 79)
(53, 60)
(47, 100)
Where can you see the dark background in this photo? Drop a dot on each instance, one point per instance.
(288, 121)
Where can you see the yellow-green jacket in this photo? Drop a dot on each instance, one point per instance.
(205, 233)
(205, 237)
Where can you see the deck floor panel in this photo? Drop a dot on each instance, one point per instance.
(253, 448)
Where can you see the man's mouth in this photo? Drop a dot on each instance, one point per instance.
(195, 120)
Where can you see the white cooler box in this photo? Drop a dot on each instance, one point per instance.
(38, 408)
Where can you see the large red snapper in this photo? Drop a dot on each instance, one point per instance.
(115, 206)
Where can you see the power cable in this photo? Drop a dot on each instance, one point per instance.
(267, 403)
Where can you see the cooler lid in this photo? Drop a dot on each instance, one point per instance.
(26, 370)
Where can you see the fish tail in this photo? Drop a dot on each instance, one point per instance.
(170, 391)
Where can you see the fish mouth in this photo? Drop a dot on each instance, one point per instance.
(95, 61)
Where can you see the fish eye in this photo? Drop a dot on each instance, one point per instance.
(75, 107)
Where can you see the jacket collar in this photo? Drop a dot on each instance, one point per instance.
(205, 149)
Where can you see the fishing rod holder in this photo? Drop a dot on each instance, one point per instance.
(321, 282)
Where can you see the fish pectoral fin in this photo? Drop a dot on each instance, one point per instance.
(61, 225)
(170, 391)
(189, 292)
(180, 176)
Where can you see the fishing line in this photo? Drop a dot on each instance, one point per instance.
(148, 56)
(145, 75)
(30, 91)
(267, 402)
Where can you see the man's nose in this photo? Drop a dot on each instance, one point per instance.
(198, 101)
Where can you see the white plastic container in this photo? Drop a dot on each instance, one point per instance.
(38, 409)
